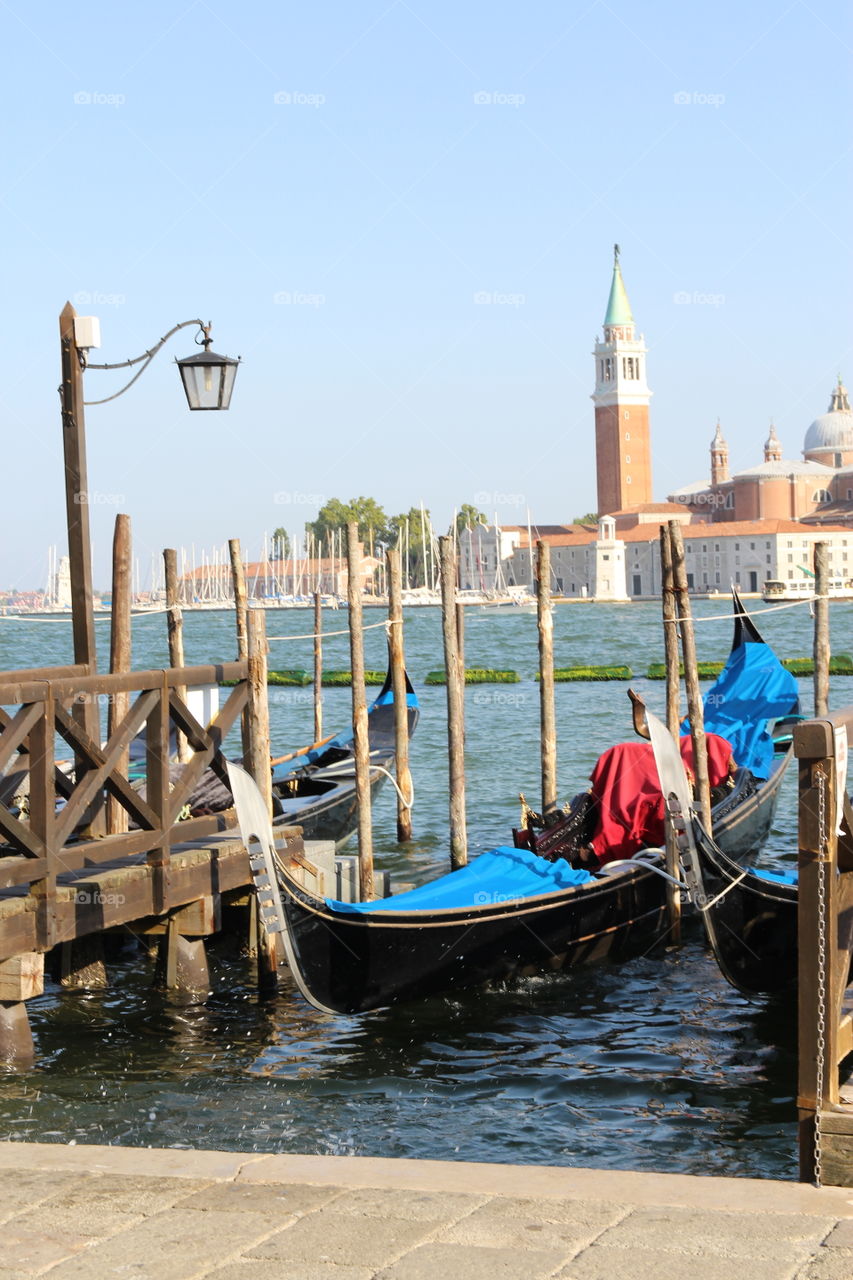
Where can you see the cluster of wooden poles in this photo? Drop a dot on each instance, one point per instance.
(252, 644)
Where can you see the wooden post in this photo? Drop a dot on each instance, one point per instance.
(673, 689)
(460, 635)
(398, 687)
(257, 757)
(318, 666)
(821, 629)
(455, 676)
(120, 657)
(175, 626)
(547, 712)
(359, 714)
(238, 578)
(670, 635)
(691, 675)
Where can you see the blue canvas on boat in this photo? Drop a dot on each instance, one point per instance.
(501, 875)
(752, 688)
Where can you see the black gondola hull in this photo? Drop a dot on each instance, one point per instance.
(352, 963)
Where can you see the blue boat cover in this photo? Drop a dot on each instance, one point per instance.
(500, 875)
(752, 688)
(777, 877)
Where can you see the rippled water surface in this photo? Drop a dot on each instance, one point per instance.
(656, 1064)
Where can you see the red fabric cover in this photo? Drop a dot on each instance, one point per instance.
(630, 802)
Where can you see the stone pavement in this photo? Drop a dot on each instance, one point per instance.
(93, 1213)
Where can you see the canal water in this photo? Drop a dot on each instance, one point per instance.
(655, 1064)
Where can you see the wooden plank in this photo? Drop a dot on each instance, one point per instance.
(131, 682)
(257, 712)
(20, 836)
(157, 793)
(175, 628)
(14, 871)
(16, 729)
(19, 932)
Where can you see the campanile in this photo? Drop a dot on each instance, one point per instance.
(623, 460)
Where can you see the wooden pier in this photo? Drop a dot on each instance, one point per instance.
(61, 879)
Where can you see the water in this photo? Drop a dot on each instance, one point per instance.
(656, 1064)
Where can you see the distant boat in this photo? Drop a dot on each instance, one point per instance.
(804, 589)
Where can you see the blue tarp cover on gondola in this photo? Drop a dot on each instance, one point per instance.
(752, 688)
(501, 875)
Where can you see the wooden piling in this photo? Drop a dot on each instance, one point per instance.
(238, 580)
(691, 675)
(455, 704)
(359, 714)
(175, 626)
(257, 757)
(318, 666)
(397, 661)
(547, 712)
(821, 629)
(670, 636)
(120, 657)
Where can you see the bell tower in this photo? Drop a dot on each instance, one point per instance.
(622, 443)
(719, 458)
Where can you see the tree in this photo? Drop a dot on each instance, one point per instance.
(280, 544)
(467, 517)
(591, 517)
(373, 526)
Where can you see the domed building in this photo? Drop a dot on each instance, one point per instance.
(830, 437)
(816, 489)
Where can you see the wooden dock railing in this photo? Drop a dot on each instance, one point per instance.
(65, 805)
(825, 939)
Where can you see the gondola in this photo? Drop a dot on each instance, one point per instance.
(510, 912)
(750, 918)
(315, 788)
(752, 704)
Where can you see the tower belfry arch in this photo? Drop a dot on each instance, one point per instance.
(621, 397)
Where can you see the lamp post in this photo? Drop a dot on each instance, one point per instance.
(208, 381)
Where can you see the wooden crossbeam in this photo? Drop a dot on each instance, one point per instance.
(16, 729)
(20, 836)
(102, 764)
(206, 744)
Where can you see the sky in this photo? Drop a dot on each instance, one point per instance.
(401, 215)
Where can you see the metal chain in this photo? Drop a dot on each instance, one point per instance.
(821, 970)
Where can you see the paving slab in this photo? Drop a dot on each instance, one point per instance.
(468, 1262)
(741, 1235)
(827, 1264)
(283, 1199)
(275, 1269)
(23, 1188)
(343, 1238)
(417, 1206)
(509, 1223)
(598, 1263)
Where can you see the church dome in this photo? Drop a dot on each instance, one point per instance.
(832, 431)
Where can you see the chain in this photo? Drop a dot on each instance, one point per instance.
(821, 970)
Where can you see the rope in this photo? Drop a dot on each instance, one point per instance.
(727, 617)
(312, 635)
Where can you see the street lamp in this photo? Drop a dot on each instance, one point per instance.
(208, 380)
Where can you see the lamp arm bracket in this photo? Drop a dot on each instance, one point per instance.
(145, 359)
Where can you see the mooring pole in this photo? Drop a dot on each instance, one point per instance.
(670, 635)
(120, 657)
(257, 757)
(455, 677)
(175, 626)
(398, 687)
(691, 675)
(821, 629)
(359, 714)
(318, 666)
(547, 712)
(238, 579)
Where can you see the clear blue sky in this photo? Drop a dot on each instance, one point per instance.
(382, 198)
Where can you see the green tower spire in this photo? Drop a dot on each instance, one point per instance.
(618, 306)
